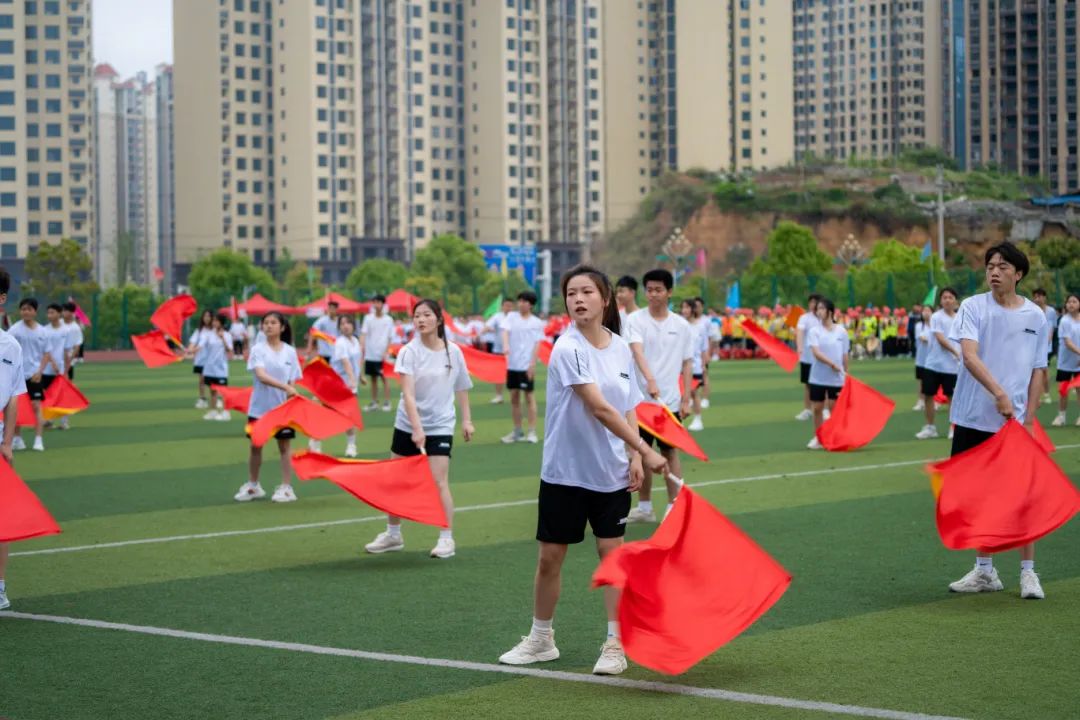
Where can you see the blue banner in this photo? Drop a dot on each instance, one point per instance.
(511, 257)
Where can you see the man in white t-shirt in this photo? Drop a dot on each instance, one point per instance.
(239, 334)
(376, 334)
(662, 343)
(807, 322)
(521, 335)
(495, 325)
(327, 325)
(12, 384)
(1038, 296)
(1002, 338)
(75, 338)
(31, 335)
(626, 298)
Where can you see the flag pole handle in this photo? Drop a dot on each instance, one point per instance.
(677, 480)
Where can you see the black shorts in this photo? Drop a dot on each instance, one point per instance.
(564, 510)
(237, 347)
(435, 445)
(282, 434)
(804, 373)
(965, 438)
(919, 372)
(1066, 375)
(71, 373)
(519, 380)
(818, 393)
(700, 377)
(327, 358)
(932, 380)
(224, 382)
(649, 438)
(373, 368)
(36, 390)
(197, 369)
(489, 347)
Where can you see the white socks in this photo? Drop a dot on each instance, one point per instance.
(393, 530)
(444, 534)
(613, 629)
(645, 506)
(985, 564)
(541, 628)
(1027, 565)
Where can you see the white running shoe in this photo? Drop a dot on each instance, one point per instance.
(927, 432)
(695, 424)
(804, 415)
(371, 407)
(386, 407)
(497, 400)
(314, 446)
(223, 416)
(826, 414)
(952, 430)
(1059, 420)
(612, 659)
(532, 438)
(531, 650)
(637, 515)
(17, 443)
(64, 424)
(39, 444)
(814, 444)
(444, 549)
(513, 437)
(705, 403)
(283, 494)
(1030, 587)
(350, 450)
(201, 404)
(4, 602)
(921, 405)
(978, 581)
(248, 492)
(1045, 399)
(210, 415)
(385, 542)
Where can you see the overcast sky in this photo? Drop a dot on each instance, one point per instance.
(132, 35)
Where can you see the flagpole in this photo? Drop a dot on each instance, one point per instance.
(941, 212)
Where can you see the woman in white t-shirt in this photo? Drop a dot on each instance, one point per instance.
(433, 373)
(346, 363)
(830, 347)
(922, 350)
(594, 458)
(216, 354)
(274, 366)
(1068, 361)
(942, 361)
(198, 339)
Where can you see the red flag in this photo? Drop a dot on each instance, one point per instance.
(940, 397)
(660, 421)
(22, 516)
(403, 487)
(171, 314)
(1039, 433)
(234, 308)
(544, 352)
(484, 366)
(62, 398)
(154, 350)
(159, 274)
(389, 370)
(238, 399)
(695, 383)
(793, 315)
(320, 335)
(691, 588)
(859, 416)
(1066, 386)
(1002, 494)
(331, 390)
(779, 351)
(313, 420)
(27, 417)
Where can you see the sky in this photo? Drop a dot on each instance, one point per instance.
(132, 35)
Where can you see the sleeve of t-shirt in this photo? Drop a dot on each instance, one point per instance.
(406, 361)
(636, 398)
(462, 381)
(688, 343)
(295, 371)
(966, 325)
(258, 357)
(632, 334)
(1043, 359)
(571, 365)
(366, 325)
(813, 338)
(846, 343)
(194, 337)
(341, 349)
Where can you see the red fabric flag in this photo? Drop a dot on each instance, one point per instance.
(682, 386)
(940, 397)
(859, 416)
(234, 308)
(403, 487)
(793, 315)
(311, 419)
(1002, 494)
(27, 417)
(320, 335)
(660, 421)
(159, 274)
(779, 351)
(1039, 433)
(238, 398)
(691, 588)
(389, 370)
(331, 390)
(484, 366)
(171, 314)
(544, 353)
(1067, 385)
(62, 398)
(154, 349)
(22, 516)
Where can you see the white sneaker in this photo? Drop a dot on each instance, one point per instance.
(612, 659)
(350, 450)
(283, 494)
(695, 424)
(513, 437)
(39, 444)
(705, 403)
(814, 444)
(371, 407)
(804, 415)
(1059, 420)
(1045, 399)
(4, 602)
(314, 446)
(826, 414)
(223, 416)
(386, 407)
(978, 581)
(17, 443)
(952, 430)
(637, 515)
(385, 542)
(443, 549)
(1030, 587)
(927, 432)
(210, 415)
(531, 650)
(532, 438)
(64, 424)
(497, 400)
(201, 404)
(921, 405)
(248, 492)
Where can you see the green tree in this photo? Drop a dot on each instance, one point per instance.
(425, 286)
(377, 275)
(282, 265)
(496, 285)
(223, 274)
(122, 312)
(54, 271)
(895, 274)
(1058, 252)
(790, 269)
(302, 284)
(457, 262)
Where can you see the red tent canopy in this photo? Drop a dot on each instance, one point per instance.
(401, 301)
(257, 305)
(345, 305)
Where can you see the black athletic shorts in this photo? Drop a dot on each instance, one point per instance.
(919, 372)
(327, 358)
(403, 445)
(373, 368)
(700, 377)
(1066, 375)
(932, 380)
(237, 347)
(649, 438)
(197, 369)
(818, 393)
(282, 434)
(519, 380)
(564, 510)
(804, 373)
(216, 381)
(967, 438)
(71, 373)
(36, 390)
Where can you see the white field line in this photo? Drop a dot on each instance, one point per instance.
(466, 508)
(641, 685)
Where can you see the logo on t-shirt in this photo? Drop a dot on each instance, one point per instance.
(1029, 331)
(624, 376)
(7, 362)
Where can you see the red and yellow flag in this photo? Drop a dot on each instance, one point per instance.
(62, 398)
(1067, 385)
(665, 427)
(237, 399)
(320, 335)
(302, 415)
(484, 366)
(331, 390)
(171, 314)
(859, 416)
(779, 351)
(22, 515)
(154, 349)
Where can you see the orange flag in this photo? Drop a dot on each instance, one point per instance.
(779, 351)
(320, 335)
(154, 349)
(403, 487)
(859, 416)
(313, 420)
(331, 390)
(484, 366)
(171, 314)
(660, 421)
(1066, 386)
(544, 352)
(1002, 494)
(691, 588)
(62, 398)
(793, 315)
(22, 516)
(238, 399)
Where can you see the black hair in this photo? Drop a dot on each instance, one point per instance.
(528, 296)
(332, 304)
(379, 298)
(611, 311)
(5, 281)
(54, 306)
(814, 297)
(345, 318)
(659, 275)
(1070, 295)
(1010, 254)
(286, 330)
(689, 302)
(1038, 291)
(70, 306)
(951, 291)
(508, 300)
(202, 318)
(222, 319)
(28, 302)
(626, 281)
(440, 327)
(830, 307)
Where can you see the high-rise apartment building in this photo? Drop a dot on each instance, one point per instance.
(166, 159)
(46, 126)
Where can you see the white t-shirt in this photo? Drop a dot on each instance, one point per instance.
(1012, 343)
(215, 362)
(12, 382)
(199, 338)
(524, 334)
(75, 335)
(377, 332)
(666, 344)
(56, 343)
(33, 343)
(922, 343)
(807, 322)
(939, 359)
(437, 375)
(701, 344)
(346, 350)
(328, 325)
(283, 365)
(238, 331)
(833, 344)
(1067, 359)
(578, 450)
(496, 322)
(1052, 320)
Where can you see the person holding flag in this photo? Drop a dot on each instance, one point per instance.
(74, 344)
(12, 384)
(701, 355)
(202, 335)
(216, 354)
(522, 332)
(711, 331)
(327, 325)
(921, 333)
(433, 374)
(275, 366)
(1002, 337)
(831, 347)
(1068, 359)
(495, 325)
(56, 342)
(942, 362)
(376, 332)
(33, 339)
(346, 363)
(807, 322)
(662, 343)
(593, 459)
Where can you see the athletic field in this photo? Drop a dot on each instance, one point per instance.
(163, 598)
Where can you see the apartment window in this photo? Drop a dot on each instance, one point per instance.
(56, 229)
(52, 32)
(8, 225)
(55, 179)
(7, 199)
(55, 203)
(7, 174)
